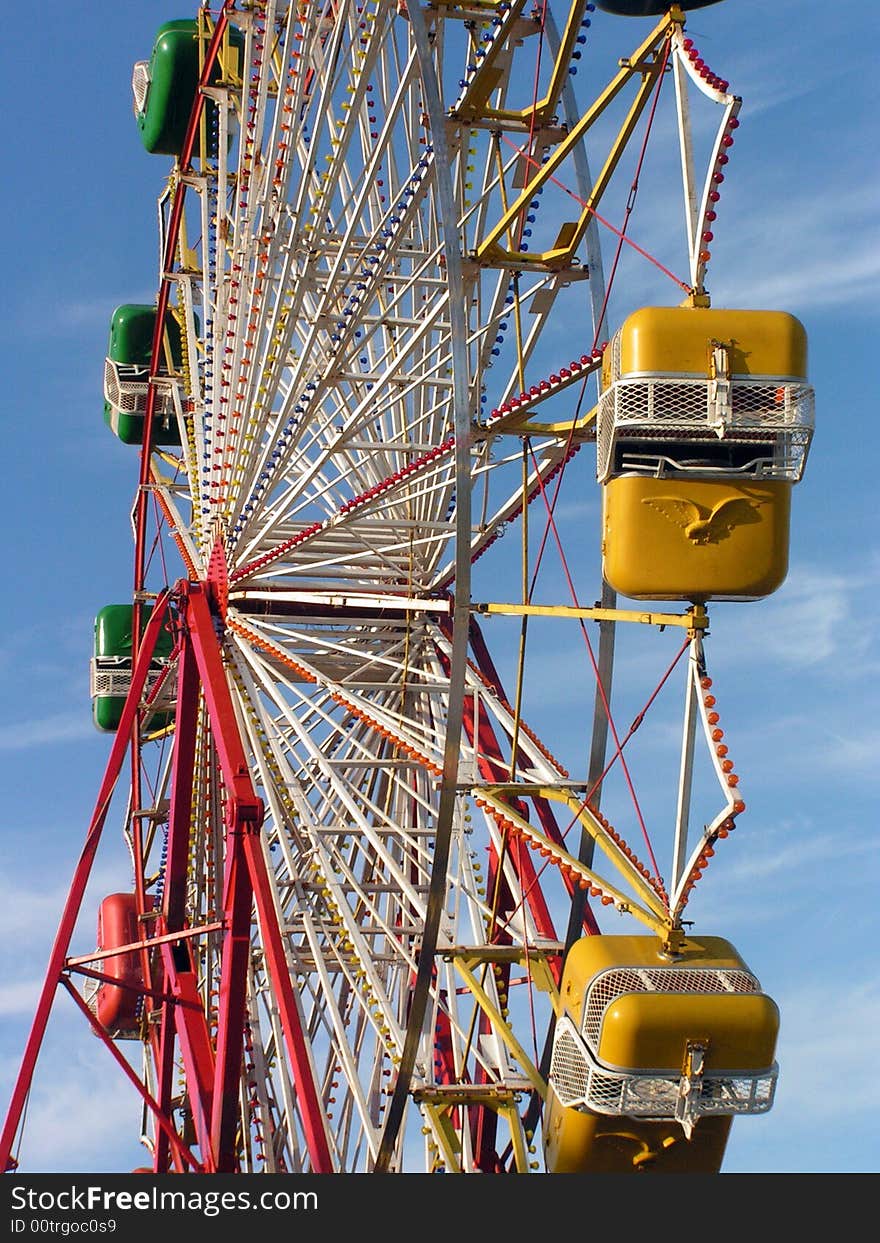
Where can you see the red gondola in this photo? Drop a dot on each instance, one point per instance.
(118, 1004)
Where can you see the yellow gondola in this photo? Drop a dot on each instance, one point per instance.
(654, 1055)
(703, 425)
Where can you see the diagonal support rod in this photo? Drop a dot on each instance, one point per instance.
(81, 875)
(246, 882)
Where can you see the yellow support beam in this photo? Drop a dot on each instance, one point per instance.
(445, 1136)
(502, 1028)
(541, 113)
(532, 957)
(647, 62)
(695, 619)
(517, 1137)
(575, 429)
(438, 1109)
(609, 847)
(654, 913)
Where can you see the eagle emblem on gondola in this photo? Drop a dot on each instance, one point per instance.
(702, 524)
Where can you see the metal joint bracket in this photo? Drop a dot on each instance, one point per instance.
(690, 1084)
(245, 815)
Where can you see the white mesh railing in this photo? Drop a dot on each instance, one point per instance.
(751, 426)
(90, 990)
(581, 1083)
(111, 677)
(90, 987)
(140, 85)
(609, 985)
(126, 386)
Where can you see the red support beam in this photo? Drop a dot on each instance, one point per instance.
(242, 887)
(165, 1087)
(190, 1027)
(213, 1080)
(231, 1007)
(195, 1042)
(80, 879)
(183, 1154)
(180, 804)
(244, 814)
(308, 1096)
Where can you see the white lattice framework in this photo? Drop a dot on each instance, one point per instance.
(352, 360)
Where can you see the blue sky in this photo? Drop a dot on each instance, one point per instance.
(796, 892)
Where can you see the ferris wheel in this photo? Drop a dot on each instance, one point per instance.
(374, 923)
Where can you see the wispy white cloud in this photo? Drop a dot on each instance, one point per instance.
(805, 625)
(56, 728)
(19, 998)
(768, 873)
(85, 313)
(821, 1033)
(584, 507)
(823, 1118)
(73, 316)
(83, 1114)
(793, 849)
(829, 740)
(33, 904)
(756, 79)
(778, 263)
(854, 753)
(29, 909)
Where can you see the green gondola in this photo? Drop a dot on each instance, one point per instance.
(164, 87)
(111, 667)
(127, 373)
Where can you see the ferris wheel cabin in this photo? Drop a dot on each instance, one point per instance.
(117, 1006)
(704, 423)
(653, 1056)
(164, 87)
(111, 668)
(127, 375)
(648, 8)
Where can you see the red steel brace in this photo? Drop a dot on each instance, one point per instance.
(212, 1070)
(246, 882)
(78, 884)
